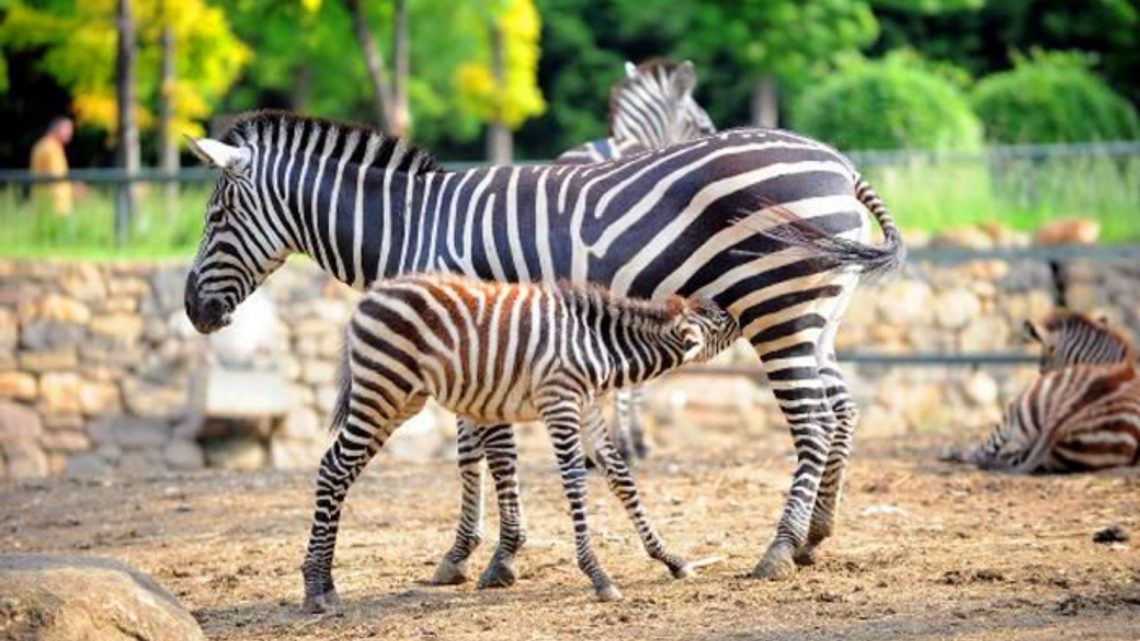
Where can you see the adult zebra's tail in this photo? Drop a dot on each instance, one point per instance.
(344, 389)
(872, 261)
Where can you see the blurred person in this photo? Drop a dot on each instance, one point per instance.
(50, 159)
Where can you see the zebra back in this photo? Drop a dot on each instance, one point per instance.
(1072, 338)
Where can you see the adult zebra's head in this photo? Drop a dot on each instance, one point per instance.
(654, 105)
(239, 246)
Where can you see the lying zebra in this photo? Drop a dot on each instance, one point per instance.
(1082, 413)
(504, 353)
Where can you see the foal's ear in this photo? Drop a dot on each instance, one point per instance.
(684, 79)
(630, 69)
(218, 154)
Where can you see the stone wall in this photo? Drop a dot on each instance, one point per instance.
(100, 372)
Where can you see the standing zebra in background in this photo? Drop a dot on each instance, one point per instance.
(652, 107)
(496, 353)
(365, 206)
(1082, 413)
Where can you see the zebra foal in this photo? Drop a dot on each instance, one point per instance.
(497, 353)
(1081, 414)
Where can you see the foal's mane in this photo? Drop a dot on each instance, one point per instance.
(392, 153)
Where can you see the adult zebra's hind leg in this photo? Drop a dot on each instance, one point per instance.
(842, 441)
(452, 569)
(624, 487)
(502, 458)
(356, 443)
(563, 419)
(788, 353)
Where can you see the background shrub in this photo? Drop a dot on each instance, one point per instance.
(897, 102)
(1052, 97)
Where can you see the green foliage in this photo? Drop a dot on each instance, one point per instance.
(78, 44)
(891, 103)
(1052, 98)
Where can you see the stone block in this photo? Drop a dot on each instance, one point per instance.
(287, 454)
(905, 302)
(24, 460)
(956, 307)
(99, 397)
(154, 400)
(84, 283)
(181, 454)
(318, 372)
(88, 466)
(56, 307)
(243, 454)
(129, 432)
(19, 422)
(65, 441)
(18, 385)
(302, 423)
(9, 328)
(48, 361)
(59, 392)
(68, 421)
(51, 334)
(117, 328)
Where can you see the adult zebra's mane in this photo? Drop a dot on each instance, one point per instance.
(268, 122)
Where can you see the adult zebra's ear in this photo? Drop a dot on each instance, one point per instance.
(684, 79)
(218, 154)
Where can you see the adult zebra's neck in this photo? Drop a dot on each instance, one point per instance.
(349, 197)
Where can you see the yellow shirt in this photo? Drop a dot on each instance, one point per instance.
(49, 159)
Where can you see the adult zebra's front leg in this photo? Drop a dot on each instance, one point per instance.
(357, 441)
(452, 568)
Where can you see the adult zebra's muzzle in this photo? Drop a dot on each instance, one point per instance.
(207, 315)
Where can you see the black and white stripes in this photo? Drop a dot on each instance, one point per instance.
(497, 353)
(650, 225)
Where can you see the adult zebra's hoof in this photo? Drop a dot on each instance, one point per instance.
(449, 573)
(499, 574)
(322, 603)
(777, 565)
(684, 571)
(805, 557)
(608, 593)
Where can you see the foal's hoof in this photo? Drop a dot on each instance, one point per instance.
(449, 573)
(777, 565)
(499, 574)
(609, 593)
(321, 603)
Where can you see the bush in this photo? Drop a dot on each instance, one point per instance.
(1050, 98)
(897, 102)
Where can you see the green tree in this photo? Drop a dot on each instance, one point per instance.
(78, 44)
(766, 42)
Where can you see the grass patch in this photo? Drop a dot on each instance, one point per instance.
(928, 195)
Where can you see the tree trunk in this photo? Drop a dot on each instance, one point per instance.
(401, 115)
(765, 102)
(128, 143)
(167, 144)
(303, 81)
(499, 143)
(374, 62)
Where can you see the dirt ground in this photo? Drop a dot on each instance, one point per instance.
(923, 550)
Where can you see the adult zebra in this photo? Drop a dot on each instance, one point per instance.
(652, 107)
(661, 222)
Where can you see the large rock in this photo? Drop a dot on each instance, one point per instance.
(56, 307)
(49, 361)
(183, 454)
(243, 454)
(129, 433)
(66, 598)
(98, 397)
(51, 334)
(118, 329)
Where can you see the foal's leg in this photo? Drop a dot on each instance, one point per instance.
(563, 419)
(502, 458)
(624, 487)
(368, 426)
(452, 567)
